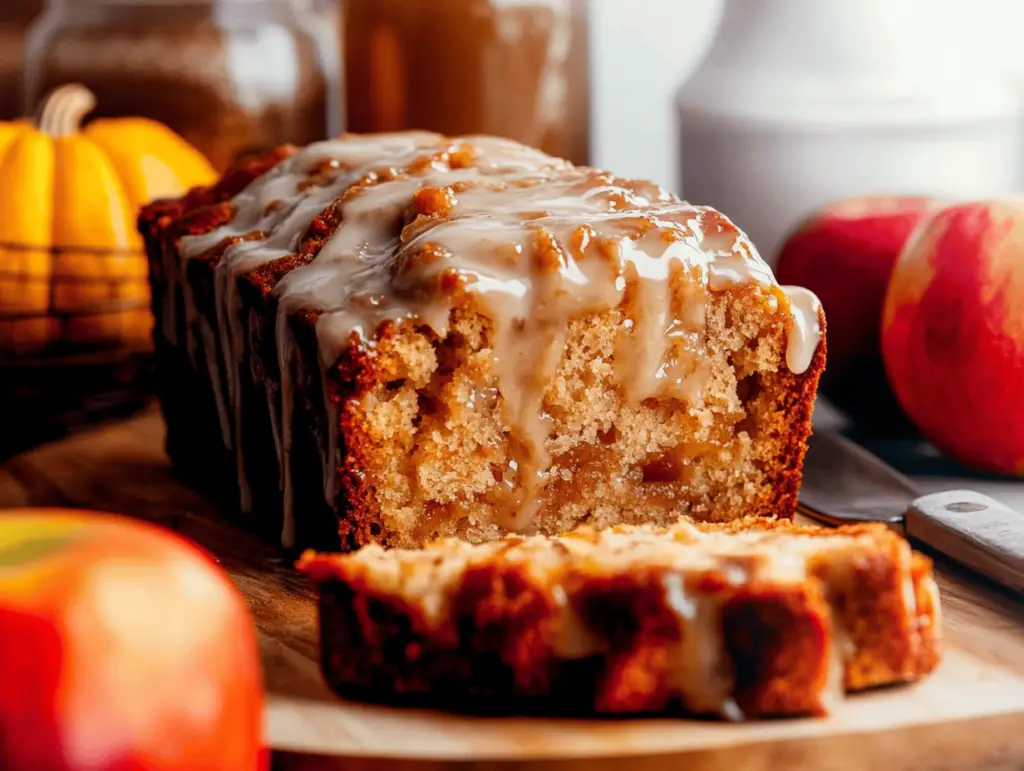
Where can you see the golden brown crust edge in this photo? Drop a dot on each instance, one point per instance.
(494, 650)
(796, 400)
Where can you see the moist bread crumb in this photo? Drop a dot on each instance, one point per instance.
(426, 437)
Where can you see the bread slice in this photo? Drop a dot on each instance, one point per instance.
(394, 338)
(749, 619)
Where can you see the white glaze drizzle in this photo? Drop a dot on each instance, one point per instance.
(209, 339)
(331, 458)
(841, 650)
(511, 208)
(701, 673)
(286, 361)
(805, 328)
(366, 235)
(278, 204)
(529, 306)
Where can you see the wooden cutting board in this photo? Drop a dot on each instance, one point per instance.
(969, 714)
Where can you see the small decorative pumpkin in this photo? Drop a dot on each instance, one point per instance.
(72, 269)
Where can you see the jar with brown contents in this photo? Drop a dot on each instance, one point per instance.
(514, 68)
(231, 76)
(15, 17)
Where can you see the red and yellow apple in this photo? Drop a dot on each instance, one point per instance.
(122, 648)
(845, 254)
(953, 333)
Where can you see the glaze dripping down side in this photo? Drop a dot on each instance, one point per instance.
(425, 228)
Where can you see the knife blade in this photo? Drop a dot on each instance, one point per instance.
(844, 483)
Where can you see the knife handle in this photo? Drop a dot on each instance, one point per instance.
(974, 530)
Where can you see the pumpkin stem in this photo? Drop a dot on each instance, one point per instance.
(64, 108)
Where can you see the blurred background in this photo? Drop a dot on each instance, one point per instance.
(829, 131)
(642, 52)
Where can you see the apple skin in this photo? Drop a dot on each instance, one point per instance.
(953, 333)
(845, 254)
(123, 647)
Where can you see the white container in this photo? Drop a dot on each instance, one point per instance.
(800, 103)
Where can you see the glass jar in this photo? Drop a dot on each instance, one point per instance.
(231, 76)
(515, 68)
(15, 17)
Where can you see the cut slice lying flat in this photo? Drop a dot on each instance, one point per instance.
(752, 618)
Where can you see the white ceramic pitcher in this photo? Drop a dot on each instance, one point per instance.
(803, 102)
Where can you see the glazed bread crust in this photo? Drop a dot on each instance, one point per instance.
(404, 435)
(751, 619)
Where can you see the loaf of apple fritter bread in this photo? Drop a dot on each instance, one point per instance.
(747, 619)
(397, 337)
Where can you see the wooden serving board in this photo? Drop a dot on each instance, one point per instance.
(969, 714)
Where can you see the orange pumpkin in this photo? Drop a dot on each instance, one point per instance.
(72, 269)
(122, 646)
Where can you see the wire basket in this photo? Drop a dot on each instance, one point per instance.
(75, 340)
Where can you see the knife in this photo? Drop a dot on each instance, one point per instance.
(844, 483)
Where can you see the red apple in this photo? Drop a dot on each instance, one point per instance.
(122, 648)
(953, 333)
(845, 254)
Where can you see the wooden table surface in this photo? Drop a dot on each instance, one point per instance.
(969, 714)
